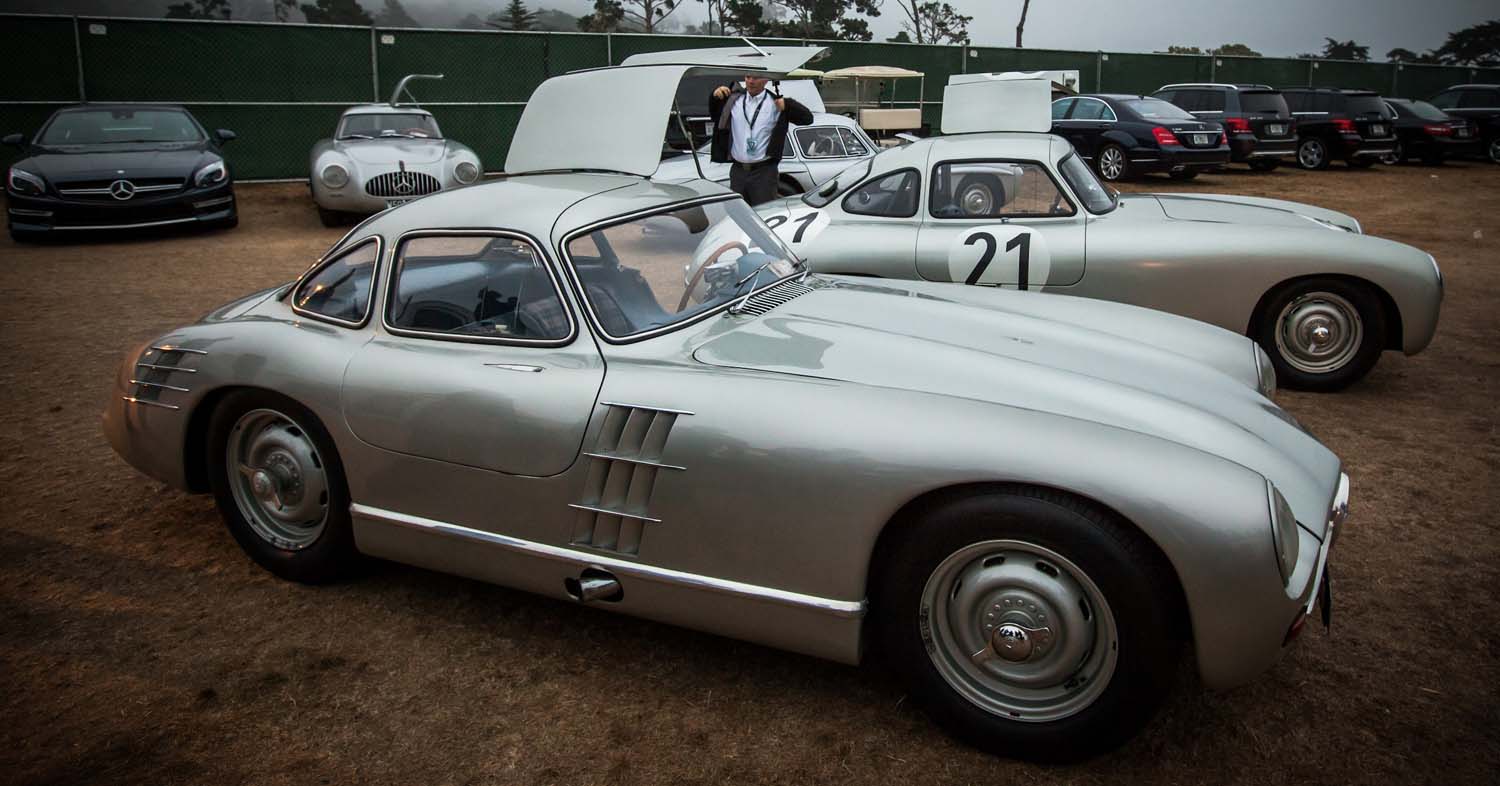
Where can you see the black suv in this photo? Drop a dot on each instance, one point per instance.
(1256, 118)
(1480, 105)
(1354, 125)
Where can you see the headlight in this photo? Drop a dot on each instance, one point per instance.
(466, 172)
(335, 176)
(1265, 373)
(210, 174)
(23, 182)
(1283, 532)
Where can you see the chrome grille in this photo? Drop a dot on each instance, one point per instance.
(402, 184)
(761, 302)
(622, 475)
(102, 189)
(162, 371)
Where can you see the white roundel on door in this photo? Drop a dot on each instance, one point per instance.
(799, 227)
(1003, 255)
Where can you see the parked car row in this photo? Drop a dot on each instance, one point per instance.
(1205, 126)
(868, 420)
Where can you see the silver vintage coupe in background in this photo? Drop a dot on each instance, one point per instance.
(384, 155)
(1019, 208)
(1026, 505)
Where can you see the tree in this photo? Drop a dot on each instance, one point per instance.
(1478, 45)
(1020, 26)
(714, 24)
(1344, 50)
(1235, 50)
(394, 15)
(1402, 55)
(605, 19)
(516, 16)
(336, 12)
(901, 37)
(934, 23)
(283, 9)
(1184, 50)
(199, 9)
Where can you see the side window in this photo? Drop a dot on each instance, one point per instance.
(821, 142)
(1089, 109)
(892, 196)
(1187, 100)
(1473, 99)
(1447, 99)
(1060, 107)
(1325, 102)
(853, 145)
(475, 286)
(1210, 101)
(340, 289)
(1170, 96)
(996, 189)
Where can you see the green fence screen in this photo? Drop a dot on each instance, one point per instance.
(281, 87)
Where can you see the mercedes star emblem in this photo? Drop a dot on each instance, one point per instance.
(122, 189)
(404, 184)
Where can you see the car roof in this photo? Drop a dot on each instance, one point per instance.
(1114, 96)
(385, 109)
(536, 204)
(1472, 87)
(120, 105)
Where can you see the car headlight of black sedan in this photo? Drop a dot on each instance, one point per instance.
(211, 174)
(25, 183)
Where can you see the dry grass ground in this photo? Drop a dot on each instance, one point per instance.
(138, 645)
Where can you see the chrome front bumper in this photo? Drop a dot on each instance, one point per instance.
(1338, 513)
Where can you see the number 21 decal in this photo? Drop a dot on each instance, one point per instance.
(1004, 255)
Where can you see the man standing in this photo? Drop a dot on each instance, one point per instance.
(750, 134)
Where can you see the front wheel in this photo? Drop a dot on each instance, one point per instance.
(1323, 334)
(1312, 153)
(981, 196)
(1493, 150)
(1029, 624)
(1112, 163)
(280, 486)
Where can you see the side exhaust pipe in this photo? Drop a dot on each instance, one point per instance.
(593, 585)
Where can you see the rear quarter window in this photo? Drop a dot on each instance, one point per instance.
(1263, 103)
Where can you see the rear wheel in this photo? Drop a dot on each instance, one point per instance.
(1112, 163)
(1029, 624)
(1323, 334)
(787, 187)
(1493, 150)
(1264, 164)
(980, 195)
(1312, 153)
(1396, 156)
(280, 486)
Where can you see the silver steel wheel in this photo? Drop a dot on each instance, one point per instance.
(1111, 163)
(1392, 158)
(1319, 332)
(977, 200)
(278, 479)
(1310, 153)
(1495, 150)
(1019, 631)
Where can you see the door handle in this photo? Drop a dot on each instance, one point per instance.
(514, 367)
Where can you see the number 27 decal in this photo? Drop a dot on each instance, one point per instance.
(1000, 256)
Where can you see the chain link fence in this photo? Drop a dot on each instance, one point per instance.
(281, 87)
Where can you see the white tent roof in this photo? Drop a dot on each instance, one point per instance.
(871, 72)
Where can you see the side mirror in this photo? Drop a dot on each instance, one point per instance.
(14, 140)
(225, 135)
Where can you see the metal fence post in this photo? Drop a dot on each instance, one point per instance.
(609, 48)
(374, 68)
(1099, 71)
(78, 56)
(1213, 68)
(1311, 64)
(1395, 79)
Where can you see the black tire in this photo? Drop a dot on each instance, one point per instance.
(228, 223)
(333, 554)
(1103, 166)
(787, 187)
(988, 187)
(1492, 149)
(1138, 585)
(1361, 163)
(1312, 153)
(22, 236)
(332, 218)
(1291, 372)
(1265, 164)
(1186, 174)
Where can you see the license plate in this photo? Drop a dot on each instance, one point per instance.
(1275, 130)
(1377, 130)
(1200, 139)
(390, 203)
(1463, 132)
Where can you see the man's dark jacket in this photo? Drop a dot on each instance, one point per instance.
(794, 114)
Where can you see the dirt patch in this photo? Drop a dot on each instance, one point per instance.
(138, 645)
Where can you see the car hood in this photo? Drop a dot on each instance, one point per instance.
(62, 165)
(391, 152)
(1228, 209)
(1015, 349)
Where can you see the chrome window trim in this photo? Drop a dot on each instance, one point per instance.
(536, 248)
(1066, 193)
(322, 263)
(577, 284)
(843, 609)
(1113, 118)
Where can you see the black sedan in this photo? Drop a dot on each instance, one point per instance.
(1426, 132)
(105, 166)
(1125, 135)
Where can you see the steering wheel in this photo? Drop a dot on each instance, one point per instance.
(821, 147)
(707, 263)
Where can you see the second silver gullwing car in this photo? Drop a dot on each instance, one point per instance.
(1001, 495)
(1323, 298)
(384, 155)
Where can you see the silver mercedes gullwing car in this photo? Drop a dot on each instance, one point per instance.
(997, 201)
(384, 155)
(1027, 506)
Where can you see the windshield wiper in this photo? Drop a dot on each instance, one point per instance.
(356, 136)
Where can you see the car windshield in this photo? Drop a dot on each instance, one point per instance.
(840, 183)
(113, 126)
(389, 124)
(1080, 178)
(1424, 110)
(1360, 106)
(667, 268)
(1263, 103)
(1157, 109)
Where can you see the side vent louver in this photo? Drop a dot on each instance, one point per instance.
(762, 302)
(622, 473)
(161, 372)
